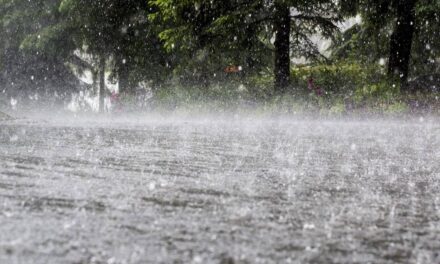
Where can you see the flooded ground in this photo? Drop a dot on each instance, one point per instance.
(228, 191)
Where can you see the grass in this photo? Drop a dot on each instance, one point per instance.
(368, 101)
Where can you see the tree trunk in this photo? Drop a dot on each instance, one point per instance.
(123, 76)
(101, 83)
(250, 60)
(282, 47)
(401, 41)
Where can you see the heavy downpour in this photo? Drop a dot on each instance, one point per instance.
(236, 131)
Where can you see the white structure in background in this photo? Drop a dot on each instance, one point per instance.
(88, 99)
(14, 103)
(324, 44)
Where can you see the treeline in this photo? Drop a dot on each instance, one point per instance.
(193, 42)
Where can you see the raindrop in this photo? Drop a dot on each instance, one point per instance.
(197, 259)
(13, 103)
(308, 226)
(14, 138)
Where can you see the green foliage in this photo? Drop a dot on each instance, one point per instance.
(204, 37)
(426, 47)
(52, 41)
(210, 35)
(119, 30)
(182, 47)
(339, 78)
(337, 108)
(26, 66)
(361, 42)
(384, 91)
(396, 108)
(369, 41)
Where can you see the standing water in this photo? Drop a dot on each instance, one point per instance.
(230, 191)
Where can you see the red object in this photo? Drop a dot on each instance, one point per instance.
(318, 91)
(232, 69)
(114, 97)
(115, 101)
(311, 85)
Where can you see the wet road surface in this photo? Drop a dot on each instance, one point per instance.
(239, 191)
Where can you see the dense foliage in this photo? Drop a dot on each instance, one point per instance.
(252, 49)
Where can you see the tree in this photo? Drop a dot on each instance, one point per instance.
(206, 36)
(411, 45)
(41, 37)
(401, 40)
(282, 46)
(291, 23)
(305, 19)
(35, 70)
(426, 47)
(119, 32)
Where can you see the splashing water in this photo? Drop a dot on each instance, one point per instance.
(241, 190)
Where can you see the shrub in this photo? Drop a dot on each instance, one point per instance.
(342, 78)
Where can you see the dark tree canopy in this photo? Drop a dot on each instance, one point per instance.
(195, 42)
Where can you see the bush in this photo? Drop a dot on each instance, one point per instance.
(342, 78)
(348, 87)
